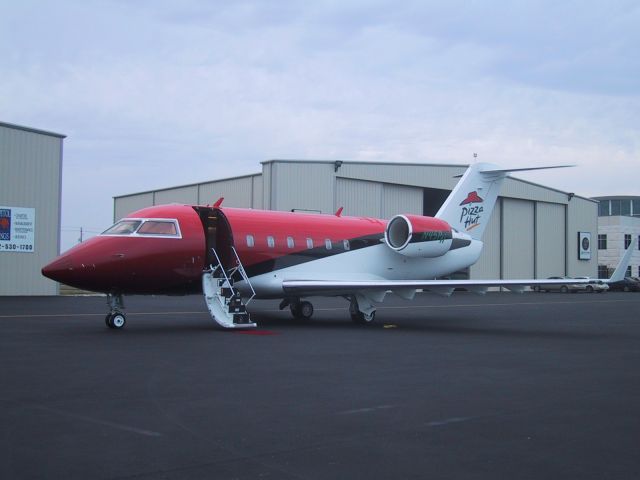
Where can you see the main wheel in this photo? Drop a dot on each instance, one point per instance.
(116, 320)
(536, 288)
(301, 310)
(626, 288)
(589, 289)
(362, 318)
(564, 289)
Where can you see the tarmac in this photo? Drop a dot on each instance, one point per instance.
(508, 386)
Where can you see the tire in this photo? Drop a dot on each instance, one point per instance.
(117, 321)
(362, 319)
(626, 288)
(536, 288)
(306, 310)
(564, 289)
(107, 320)
(301, 310)
(589, 289)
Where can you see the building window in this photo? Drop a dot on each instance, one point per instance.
(625, 207)
(638, 242)
(628, 274)
(603, 208)
(250, 241)
(290, 242)
(327, 244)
(603, 271)
(345, 244)
(627, 240)
(271, 242)
(602, 241)
(615, 207)
(635, 207)
(309, 243)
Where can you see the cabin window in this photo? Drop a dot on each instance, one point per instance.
(250, 241)
(158, 227)
(290, 242)
(327, 244)
(345, 244)
(309, 243)
(271, 242)
(123, 227)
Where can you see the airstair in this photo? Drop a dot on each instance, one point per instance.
(224, 301)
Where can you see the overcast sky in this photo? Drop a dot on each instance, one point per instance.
(154, 94)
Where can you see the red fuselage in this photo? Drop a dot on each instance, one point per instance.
(266, 241)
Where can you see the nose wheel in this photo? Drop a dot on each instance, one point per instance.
(115, 319)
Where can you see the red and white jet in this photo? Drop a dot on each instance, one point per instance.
(232, 255)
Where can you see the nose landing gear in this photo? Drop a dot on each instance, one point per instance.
(115, 319)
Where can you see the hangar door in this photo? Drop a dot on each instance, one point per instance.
(518, 238)
(379, 200)
(550, 239)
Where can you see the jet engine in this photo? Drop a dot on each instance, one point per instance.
(425, 237)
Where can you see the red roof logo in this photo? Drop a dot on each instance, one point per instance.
(4, 223)
(473, 197)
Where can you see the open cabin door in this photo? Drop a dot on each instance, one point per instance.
(218, 236)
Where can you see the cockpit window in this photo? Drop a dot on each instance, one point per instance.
(145, 227)
(123, 227)
(157, 227)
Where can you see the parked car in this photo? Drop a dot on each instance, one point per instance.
(628, 284)
(561, 287)
(597, 286)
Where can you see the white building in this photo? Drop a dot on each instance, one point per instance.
(534, 231)
(618, 227)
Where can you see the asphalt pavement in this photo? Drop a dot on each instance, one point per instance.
(527, 386)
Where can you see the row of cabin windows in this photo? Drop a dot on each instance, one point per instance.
(291, 243)
(602, 241)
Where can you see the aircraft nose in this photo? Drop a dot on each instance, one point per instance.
(76, 267)
(60, 270)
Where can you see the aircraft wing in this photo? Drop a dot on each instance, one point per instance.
(407, 288)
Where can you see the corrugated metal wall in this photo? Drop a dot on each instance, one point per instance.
(308, 186)
(550, 239)
(358, 198)
(582, 216)
(398, 199)
(242, 192)
(236, 192)
(517, 238)
(489, 264)
(123, 206)
(30, 176)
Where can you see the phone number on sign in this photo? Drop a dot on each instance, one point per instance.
(14, 246)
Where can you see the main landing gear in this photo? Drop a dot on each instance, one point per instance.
(300, 310)
(361, 310)
(115, 319)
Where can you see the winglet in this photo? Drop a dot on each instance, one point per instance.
(621, 269)
(339, 212)
(218, 202)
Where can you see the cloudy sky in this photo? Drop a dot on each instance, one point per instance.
(159, 93)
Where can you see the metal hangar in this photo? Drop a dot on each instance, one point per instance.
(30, 189)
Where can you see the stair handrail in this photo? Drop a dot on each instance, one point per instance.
(223, 270)
(243, 273)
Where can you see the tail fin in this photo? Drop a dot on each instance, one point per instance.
(469, 206)
(621, 269)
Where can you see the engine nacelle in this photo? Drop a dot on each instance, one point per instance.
(425, 237)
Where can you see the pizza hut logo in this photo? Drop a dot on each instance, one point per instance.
(470, 214)
(472, 197)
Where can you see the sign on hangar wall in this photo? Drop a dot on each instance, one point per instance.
(17, 229)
